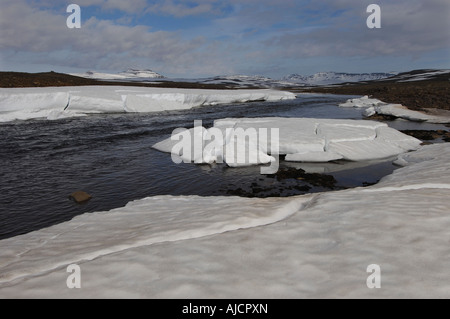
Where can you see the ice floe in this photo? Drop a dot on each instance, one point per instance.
(400, 111)
(364, 101)
(60, 102)
(314, 246)
(300, 139)
(375, 106)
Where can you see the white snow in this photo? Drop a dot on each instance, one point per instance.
(322, 78)
(364, 101)
(300, 139)
(400, 111)
(375, 106)
(130, 74)
(244, 81)
(420, 75)
(327, 78)
(314, 246)
(58, 102)
(169, 219)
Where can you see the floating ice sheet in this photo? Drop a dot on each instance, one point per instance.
(300, 139)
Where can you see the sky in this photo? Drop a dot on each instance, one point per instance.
(201, 38)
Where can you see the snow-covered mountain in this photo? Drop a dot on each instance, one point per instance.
(422, 75)
(133, 73)
(245, 81)
(322, 78)
(130, 74)
(326, 78)
(253, 81)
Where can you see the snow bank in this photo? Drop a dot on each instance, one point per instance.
(315, 246)
(400, 111)
(59, 102)
(375, 106)
(364, 101)
(300, 139)
(152, 220)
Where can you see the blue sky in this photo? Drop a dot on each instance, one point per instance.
(202, 38)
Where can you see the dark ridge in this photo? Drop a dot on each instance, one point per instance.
(53, 79)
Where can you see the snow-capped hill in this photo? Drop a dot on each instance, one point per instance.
(130, 74)
(245, 81)
(422, 75)
(326, 78)
(98, 75)
(134, 73)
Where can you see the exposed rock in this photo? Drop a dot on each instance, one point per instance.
(381, 117)
(428, 135)
(314, 179)
(80, 197)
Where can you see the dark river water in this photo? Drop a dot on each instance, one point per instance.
(110, 156)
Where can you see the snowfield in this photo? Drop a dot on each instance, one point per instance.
(313, 246)
(327, 78)
(60, 102)
(129, 75)
(301, 139)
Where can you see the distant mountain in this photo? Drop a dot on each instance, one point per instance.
(259, 81)
(130, 74)
(322, 78)
(245, 81)
(327, 78)
(134, 73)
(422, 75)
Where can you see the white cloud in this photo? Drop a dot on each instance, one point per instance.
(408, 28)
(181, 9)
(134, 6)
(99, 44)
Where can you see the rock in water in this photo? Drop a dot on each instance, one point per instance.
(80, 197)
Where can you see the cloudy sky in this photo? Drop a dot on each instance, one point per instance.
(221, 37)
